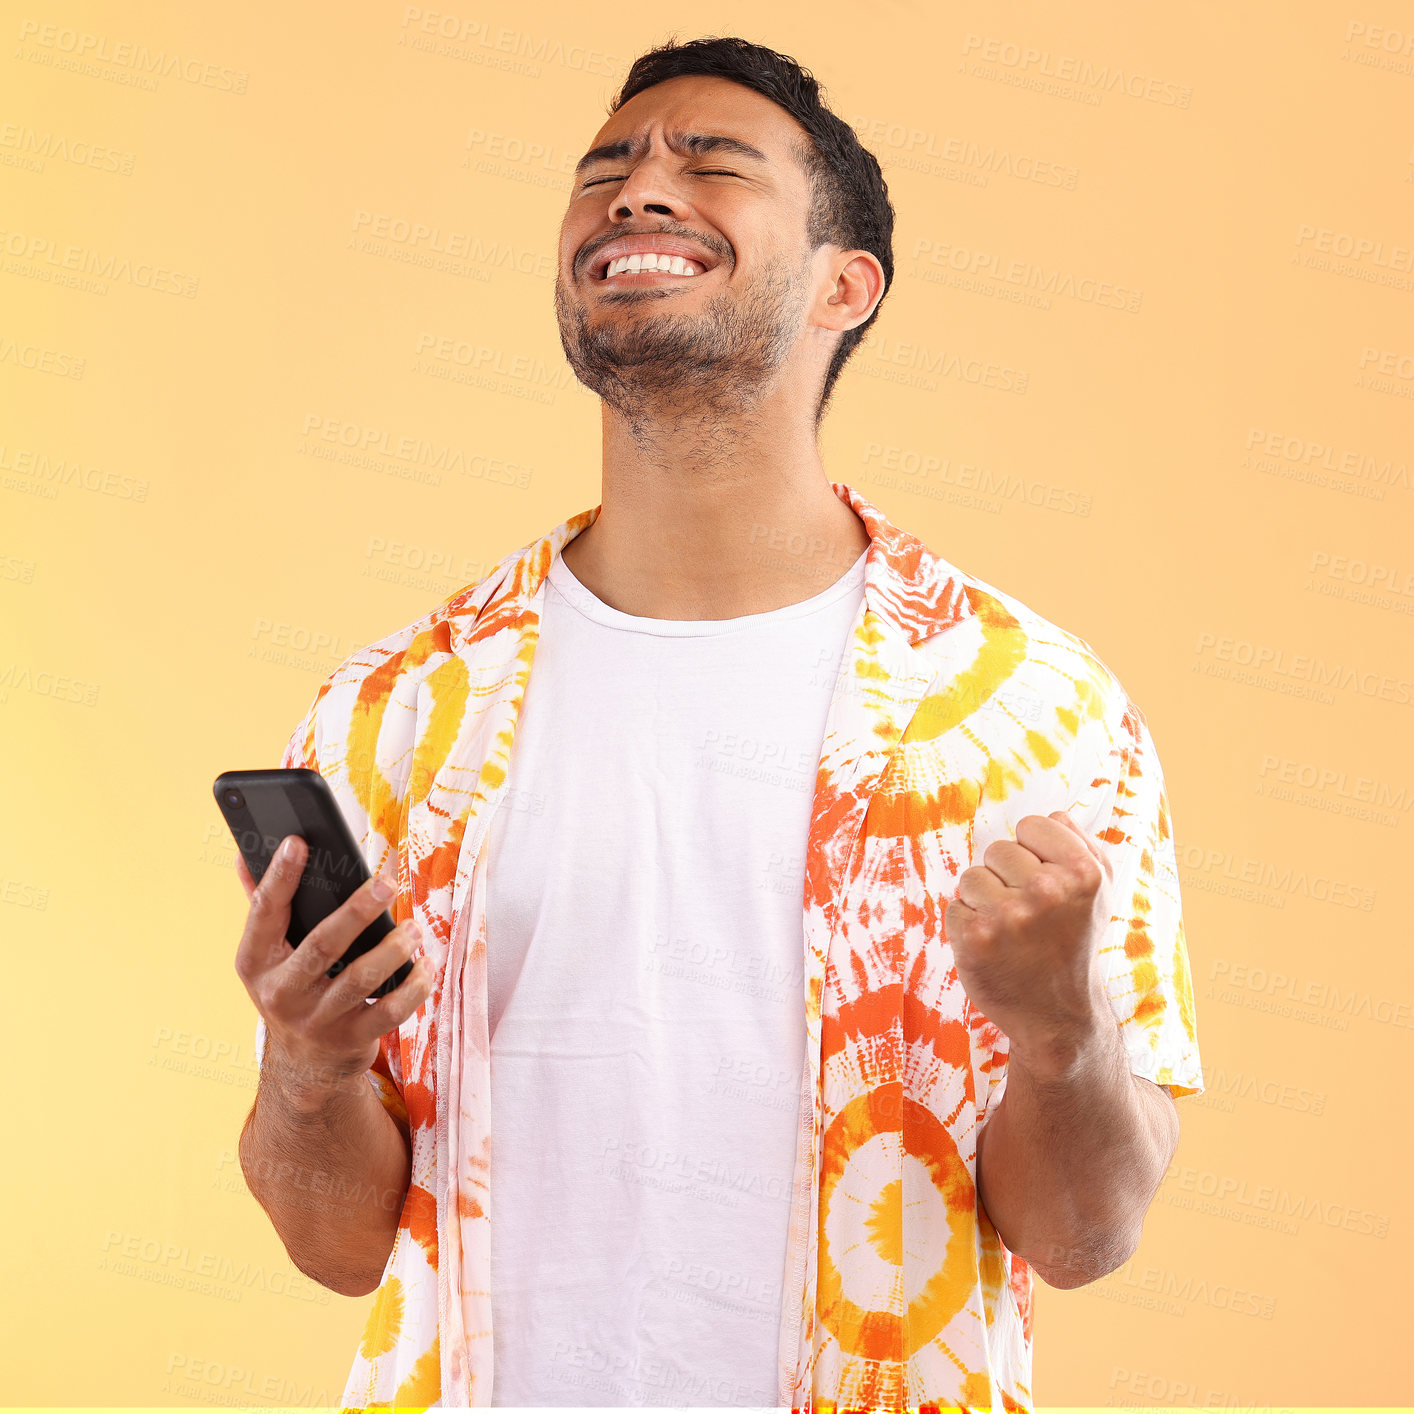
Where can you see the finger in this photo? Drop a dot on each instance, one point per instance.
(1011, 862)
(263, 944)
(350, 990)
(388, 1013)
(1052, 841)
(980, 889)
(330, 938)
(1091, 843)
(243, 874)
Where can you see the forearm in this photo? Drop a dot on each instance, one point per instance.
(331, 1167)
(1072, 1156)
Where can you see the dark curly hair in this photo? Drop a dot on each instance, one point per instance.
(849, 201)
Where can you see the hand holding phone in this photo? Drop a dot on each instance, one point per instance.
(328, 1028)
(320, 956)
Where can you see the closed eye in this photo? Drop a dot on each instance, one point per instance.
(710, 172)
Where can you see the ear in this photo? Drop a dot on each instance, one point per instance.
(858, 287)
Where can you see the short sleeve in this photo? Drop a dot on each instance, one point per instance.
(1143, 951)
(301, 751)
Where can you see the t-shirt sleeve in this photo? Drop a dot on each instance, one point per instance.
(1143, 950)
(386, 1072)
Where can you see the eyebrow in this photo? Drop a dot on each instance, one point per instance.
(697, 143)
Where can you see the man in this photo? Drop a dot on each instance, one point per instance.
(803, 965)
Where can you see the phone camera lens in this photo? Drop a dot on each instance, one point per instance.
(234, 799)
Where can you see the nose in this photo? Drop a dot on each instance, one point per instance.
(625, 208)
(648, 190)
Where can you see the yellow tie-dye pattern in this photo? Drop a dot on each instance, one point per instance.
(957, 710)
(385, 1321)
(423, 1385)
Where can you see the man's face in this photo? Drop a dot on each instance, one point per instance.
(708, 341)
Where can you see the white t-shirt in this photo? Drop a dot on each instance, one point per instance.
(645, 968)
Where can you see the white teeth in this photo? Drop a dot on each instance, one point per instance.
(670, 264)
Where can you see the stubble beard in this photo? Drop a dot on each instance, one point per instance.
(654, 367)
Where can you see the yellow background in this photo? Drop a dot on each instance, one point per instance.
(1192, 452)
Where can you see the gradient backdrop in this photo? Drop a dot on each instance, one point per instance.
(279, 371)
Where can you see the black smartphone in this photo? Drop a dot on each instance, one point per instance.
(261, 808)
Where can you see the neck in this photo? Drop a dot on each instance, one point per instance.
(707, 518)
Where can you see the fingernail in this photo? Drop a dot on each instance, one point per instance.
(382, 889)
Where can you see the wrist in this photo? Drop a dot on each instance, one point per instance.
(307, 1086)
(1061, 1057)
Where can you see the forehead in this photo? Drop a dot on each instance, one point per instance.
(700, 106)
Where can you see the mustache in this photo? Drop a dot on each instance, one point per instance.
(590, 249)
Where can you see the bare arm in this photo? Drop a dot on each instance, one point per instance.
(331, 1167)
(1074, 1153)
(1076, 1148)
(320, 1152)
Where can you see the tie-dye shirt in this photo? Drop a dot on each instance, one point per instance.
(956, 711)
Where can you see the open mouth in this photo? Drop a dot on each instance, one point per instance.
(650, 266)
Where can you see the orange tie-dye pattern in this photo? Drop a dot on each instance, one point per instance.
(957, 710)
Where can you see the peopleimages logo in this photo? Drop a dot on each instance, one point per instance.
(1284, 879)
(64, 48)
(1285, 994)
(1263, 664)
(1278, 1202)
